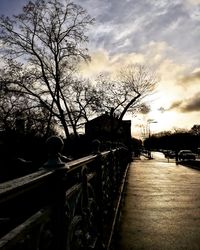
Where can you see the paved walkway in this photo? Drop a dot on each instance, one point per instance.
(161, 208)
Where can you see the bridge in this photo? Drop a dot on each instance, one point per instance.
(80, 205)
(64, 206)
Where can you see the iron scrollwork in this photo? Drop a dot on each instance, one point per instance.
(81, 212)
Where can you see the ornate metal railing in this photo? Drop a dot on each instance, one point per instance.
(68, 207)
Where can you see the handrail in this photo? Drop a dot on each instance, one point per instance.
(14, 235)
(14, 186)
(81, 196)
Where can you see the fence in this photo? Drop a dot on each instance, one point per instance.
(68, 207)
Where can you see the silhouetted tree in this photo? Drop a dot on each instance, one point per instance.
(124, 93)
(17, 109)
(82, 98)
(50, 38)
(195, 129)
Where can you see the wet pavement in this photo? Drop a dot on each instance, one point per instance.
(161, 207)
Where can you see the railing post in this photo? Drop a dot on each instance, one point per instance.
(54, 147)
(100, 199)
(59, 212)
(84, 206)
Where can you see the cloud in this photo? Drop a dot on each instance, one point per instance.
(144, 109)
(128, 26)
(190, 79)
(102, 61)
(154, 55)
(170, 70)
(193, 2)
(191, 104)
(176, 105)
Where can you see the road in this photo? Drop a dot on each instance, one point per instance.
(161, 207)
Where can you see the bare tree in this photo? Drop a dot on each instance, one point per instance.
(9, 106)
(15, 106)
(125, 93)
(50, 38)
(83, 97)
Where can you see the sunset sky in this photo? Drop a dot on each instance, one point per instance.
(162, 34)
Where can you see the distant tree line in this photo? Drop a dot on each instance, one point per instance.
(176, 140)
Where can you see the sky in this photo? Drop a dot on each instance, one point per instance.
(161, 34)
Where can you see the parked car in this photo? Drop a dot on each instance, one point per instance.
(186, 155)
(172, 154)
(169, 154)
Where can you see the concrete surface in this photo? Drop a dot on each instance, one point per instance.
(161, 208)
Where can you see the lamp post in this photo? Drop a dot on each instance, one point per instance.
(150, 121)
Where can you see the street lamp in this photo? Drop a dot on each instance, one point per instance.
(150, 121)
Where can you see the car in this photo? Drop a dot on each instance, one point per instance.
(186, 155)
(170, 154)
